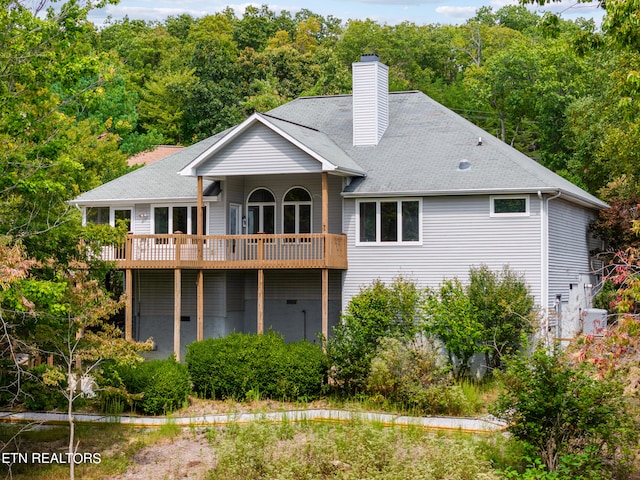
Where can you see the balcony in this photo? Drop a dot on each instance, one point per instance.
(300, 251)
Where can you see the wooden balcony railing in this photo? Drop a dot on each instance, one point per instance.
(230, 251)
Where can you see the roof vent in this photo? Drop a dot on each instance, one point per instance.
(464, 165)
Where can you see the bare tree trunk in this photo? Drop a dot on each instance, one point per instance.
(72, 430)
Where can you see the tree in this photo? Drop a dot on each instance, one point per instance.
(451, 317)
(505, 310)
(378, 311)
(65, 318)
(565, 416)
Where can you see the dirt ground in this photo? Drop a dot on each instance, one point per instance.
(187, 456)
(190, 455)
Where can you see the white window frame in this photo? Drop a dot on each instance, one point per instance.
(493, 213)
(261, 205)
(297, 209)
(378, 202)
(189, 206)
(112, 214)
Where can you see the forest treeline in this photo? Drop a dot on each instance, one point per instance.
(76, 99)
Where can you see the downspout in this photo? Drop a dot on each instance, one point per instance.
(544, 256)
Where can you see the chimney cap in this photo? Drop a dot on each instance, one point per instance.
(369, 57)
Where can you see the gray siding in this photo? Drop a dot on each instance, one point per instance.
(259, 150)
(569, 245)
(457, 233)
(153, 308)
(141, 221)
(280, 184)
(292, 302)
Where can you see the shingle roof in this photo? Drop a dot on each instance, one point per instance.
(419, 154)
(421, 150)
(155, 182)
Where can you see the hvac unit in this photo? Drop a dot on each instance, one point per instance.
(594, 321)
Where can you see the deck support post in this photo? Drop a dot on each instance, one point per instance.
(200, 281)
(200, 306)
(325, 303)
(260, 326)
(177, 310)
(128, 308)
(325, 202)
(325, 271)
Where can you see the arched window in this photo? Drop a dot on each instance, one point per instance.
(296, 211)
(261, 208)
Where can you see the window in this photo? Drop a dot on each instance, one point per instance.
(261, 207)
(174, 219)
(98, 215)
(388, 221)
(509, 206)
(296, 211)
(109, 216)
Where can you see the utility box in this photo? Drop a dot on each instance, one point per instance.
(594, 321)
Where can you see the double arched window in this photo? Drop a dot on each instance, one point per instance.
(296, 211)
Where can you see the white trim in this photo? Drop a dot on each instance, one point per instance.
(492, 209)
(297, 208)
(189, 206)
(398, 201)
(191, 169)
(249, 203)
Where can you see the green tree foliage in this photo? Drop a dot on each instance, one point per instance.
(453, 319)
(492, 314)
(505, 309)
(562, 413)
(378, 311)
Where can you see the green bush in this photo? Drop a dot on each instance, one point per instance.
(410, 375)
(38, 395)
(241, 365)
(491, 315)
(570, 420)
(162, 386)
(377, 312)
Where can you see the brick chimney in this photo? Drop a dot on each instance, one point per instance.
(370, 100)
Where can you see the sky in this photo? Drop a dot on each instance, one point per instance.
(391, 12)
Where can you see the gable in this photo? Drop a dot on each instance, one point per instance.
(258, 150)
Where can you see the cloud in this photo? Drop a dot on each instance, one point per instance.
(461, 13)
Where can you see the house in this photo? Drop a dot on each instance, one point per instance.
(279, 221)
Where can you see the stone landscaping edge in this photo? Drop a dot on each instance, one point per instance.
(471, 425)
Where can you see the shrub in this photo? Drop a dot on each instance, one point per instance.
(377, 312)
(490, 315)
(453, 319)
(505, 309)
(241, 365)
(561, 412)
(38, 395)
(410, 375)
(164, 384)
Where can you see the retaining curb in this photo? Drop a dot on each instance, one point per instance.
(462, 424)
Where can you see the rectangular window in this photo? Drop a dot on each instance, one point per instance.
(195, 219)
(161, 220)
(98, 215)
(389, 221)
(368, 221)
(180, 220)
(410, 221)
(508, 206)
